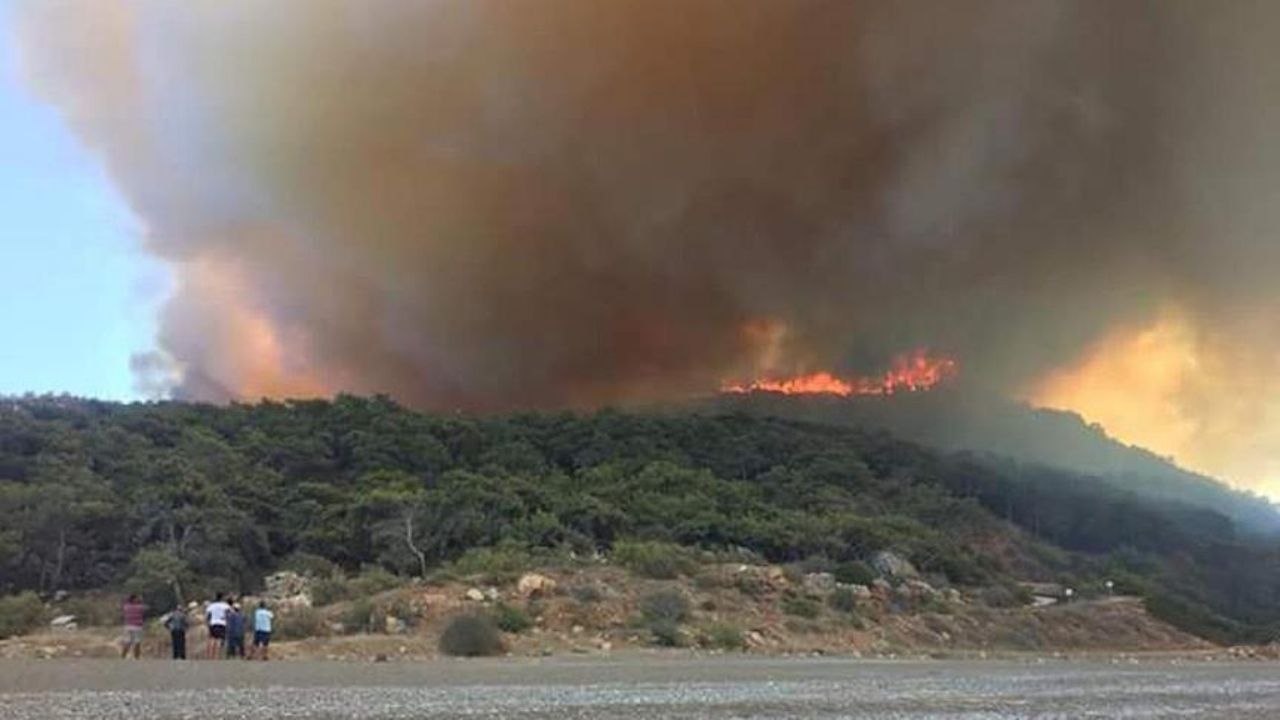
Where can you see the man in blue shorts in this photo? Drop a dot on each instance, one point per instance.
(262, 618)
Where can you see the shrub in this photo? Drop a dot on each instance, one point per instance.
(816, 564)
(1006, 596)
(665, 606)
(959, 568)
(843, 600)
(854, 573)
(663, 561)
(511, 619)
(299, 624)
(793, 573)
(91, 610)
(738, 555)
(362, 616)
(801, 606)
(753, 586)
(725, 636)
(329, 590)
(20, 614)
(586, 594)
(711, 581)
(498, 563)
(405, 610)
(471, 636)
(803, 626)
(667, 634)
(372, 580)
(309, 565)
(933, 604)
(1198, 619)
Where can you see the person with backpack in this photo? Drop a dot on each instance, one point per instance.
(176, 623)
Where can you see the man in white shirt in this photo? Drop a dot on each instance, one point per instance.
(215, 617)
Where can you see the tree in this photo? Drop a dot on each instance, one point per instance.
(160, 577)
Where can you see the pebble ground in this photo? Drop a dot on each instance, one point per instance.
(639, 687)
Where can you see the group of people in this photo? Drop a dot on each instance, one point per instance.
(225, 619)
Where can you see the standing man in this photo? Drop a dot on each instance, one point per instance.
(235, 632)
(262, 618)
(133, 611)
(215, 617)
(177, 623)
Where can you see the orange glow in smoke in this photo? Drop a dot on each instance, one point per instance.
(258, 359)
(912, 372)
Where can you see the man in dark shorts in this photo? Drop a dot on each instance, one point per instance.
(235, 632)
(262, 619)
(215, 618)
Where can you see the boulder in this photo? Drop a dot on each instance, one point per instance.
(892, 565)
(861, 592)
(436, 603)
(776, 577)
(881, 588)
(820, 583)
(63, 622)
(301, 600)
(475, 595)
(288, 589)
(535, 585)
(917, 589)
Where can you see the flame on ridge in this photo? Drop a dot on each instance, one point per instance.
(911, 372)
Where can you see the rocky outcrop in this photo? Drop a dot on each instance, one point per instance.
(287, 589)
(535, 585)
(820, 583)
(892, 565)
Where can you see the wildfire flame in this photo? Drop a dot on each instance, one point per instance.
(912, 372)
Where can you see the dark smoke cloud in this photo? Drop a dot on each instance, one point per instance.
(491, 204)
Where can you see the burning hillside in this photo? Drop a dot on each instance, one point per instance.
(915, 372)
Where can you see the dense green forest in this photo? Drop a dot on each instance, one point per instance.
(97, 495)
(956, 419)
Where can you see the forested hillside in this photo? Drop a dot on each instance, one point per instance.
(953, 420)
(97, 495)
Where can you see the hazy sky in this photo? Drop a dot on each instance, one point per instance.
(77, 296)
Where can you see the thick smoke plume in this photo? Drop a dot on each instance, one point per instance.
(491, 204)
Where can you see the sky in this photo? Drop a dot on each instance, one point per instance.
(78, 296)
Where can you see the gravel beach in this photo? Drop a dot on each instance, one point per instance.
(637, 687)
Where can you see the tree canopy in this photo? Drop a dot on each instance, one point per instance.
(199, 497)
